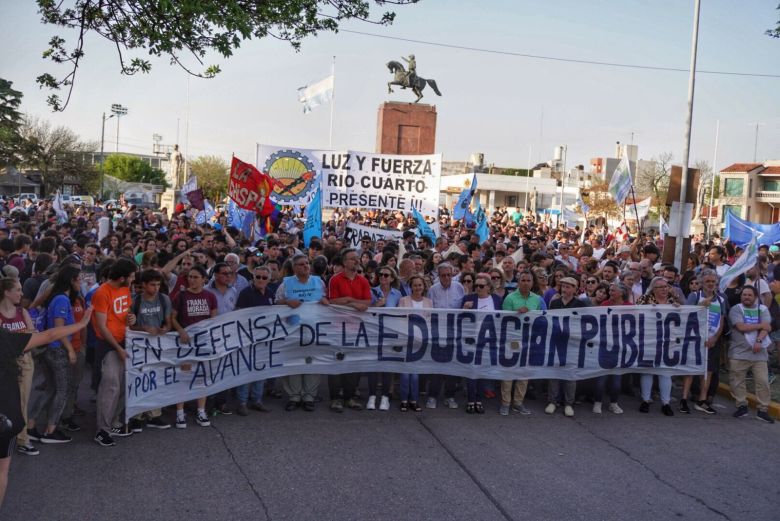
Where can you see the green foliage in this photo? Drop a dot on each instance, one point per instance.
(133, 170)
(187, 28)
(10, 121)
(775, 33)
(520, 172)
(212, 173)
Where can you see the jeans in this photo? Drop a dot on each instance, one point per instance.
(255, 389)
(76, 374)
(410, 387)
(610, 383)
(52, 401)
(373, 380)
(664, 384)
(569, 388)
(475, 388)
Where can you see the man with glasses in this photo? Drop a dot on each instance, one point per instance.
(227, 295)
(255, 295)
(347, 288)
(445, 294)
(239, 281)
(295, 290)
(565, 257)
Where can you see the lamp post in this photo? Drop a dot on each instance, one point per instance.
(102, 158)
(118, 110)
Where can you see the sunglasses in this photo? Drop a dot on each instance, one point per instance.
(591, 281)
(480, 285)
(386, 275)
(261, 277)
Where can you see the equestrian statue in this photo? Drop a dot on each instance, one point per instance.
(409, 79)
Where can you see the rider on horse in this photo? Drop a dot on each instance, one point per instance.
(412, 72)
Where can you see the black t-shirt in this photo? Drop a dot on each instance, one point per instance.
(573, 303)
(11, 347)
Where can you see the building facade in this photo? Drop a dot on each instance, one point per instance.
(751, 191)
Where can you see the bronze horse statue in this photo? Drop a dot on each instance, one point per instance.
(416, 83)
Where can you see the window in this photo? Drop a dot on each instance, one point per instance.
(750, 192)
(772, 185)
(511, 200)
(734, 187)
(735, 209)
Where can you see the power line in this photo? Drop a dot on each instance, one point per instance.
(557, 58)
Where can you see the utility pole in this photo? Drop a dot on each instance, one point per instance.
(118, 110)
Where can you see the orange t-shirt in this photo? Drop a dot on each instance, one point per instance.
(115, 303)
(78, 314)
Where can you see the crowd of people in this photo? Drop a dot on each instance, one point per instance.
(144, 270)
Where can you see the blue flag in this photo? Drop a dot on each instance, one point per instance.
(423, 230)
(313, 226)
(206, 214)
(240, 218)
(464, 200)
(482, 227)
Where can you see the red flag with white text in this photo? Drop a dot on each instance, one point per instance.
(250, 188)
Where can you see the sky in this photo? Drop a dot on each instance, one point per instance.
(510, 108)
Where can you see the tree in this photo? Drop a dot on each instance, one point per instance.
(601, 202)
(133, 170)
(10, 121)
(652, 179)
(212, 173)
(57, 152)
(185, 29)
(775, 33)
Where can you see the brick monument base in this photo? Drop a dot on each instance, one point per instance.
(406, 128)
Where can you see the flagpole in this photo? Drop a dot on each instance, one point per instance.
(332, 102)
(712, 182)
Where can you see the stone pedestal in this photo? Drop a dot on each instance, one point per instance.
(406, 128)
(168, 200)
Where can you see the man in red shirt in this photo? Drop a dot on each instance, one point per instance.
(347, 288)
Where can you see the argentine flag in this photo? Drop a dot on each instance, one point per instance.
(620, 184)
(316, 94)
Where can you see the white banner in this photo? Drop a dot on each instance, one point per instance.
(353, 179)
(267, 342)
(355, 232)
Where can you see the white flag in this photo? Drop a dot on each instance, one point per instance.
(56, 204)
(316, 94)
(620, 184)
(745, 261)
(663, 228)
(190, 186)
(643, 208)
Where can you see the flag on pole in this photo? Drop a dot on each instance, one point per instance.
(620, 184)
(464, 200)
(196, 199)
(643, 208)
(746, 261)
(316, 94)
(240, 218)
(423, 230)
(191, 185)
(59, 209)
(205, 215)
(313, 226)
(584, 207)
(481, 219)
(663, 228)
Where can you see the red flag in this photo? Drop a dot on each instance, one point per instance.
(250, 188)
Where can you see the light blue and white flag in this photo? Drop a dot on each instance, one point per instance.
(643, 208)
(422, 227)
(480, 217)
(584, 207)
(59, 209)
(745, 261)
(316, 94)
(620, 184)
(240, 218)
(570, 217)
(464, 200)
(663, 228)
(205, 216)
(313, 226)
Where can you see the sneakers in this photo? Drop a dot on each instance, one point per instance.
(258, 406)
(337, 406)
(104, 439)
(353, 404)
(764, 416)
(181, 422)
(384, 403)
(55, 437)
(597, 408)
(224, 410)
(27, 449)
(158, 423)
(203, 419)
(70, 425)
(123, 432)
(741, 411)
(430, 403)
(667, 410)
(521, 408)
(451, 403)
(136, 426)
(504, 410)
(550, 409)
(33, 434)
(371, 404)
(644, 407)
(308, 406)
(684, 407)
(704, 407)
(568, 411)
(615, 408)
(289, 406)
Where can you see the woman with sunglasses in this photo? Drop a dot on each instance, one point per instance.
(410, 383)
(497, 283)
(482, 299)
(591, 285)
(658, 293)
(467, 281)
(540, 280)
(385, 295)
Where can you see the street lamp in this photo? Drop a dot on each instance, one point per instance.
(118, 111)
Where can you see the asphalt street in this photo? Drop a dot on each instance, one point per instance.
(438, 464)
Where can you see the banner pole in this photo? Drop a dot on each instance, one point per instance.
(332, 103)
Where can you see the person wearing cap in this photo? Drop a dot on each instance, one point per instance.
(623, 255)
(564, 256)
(566, 299)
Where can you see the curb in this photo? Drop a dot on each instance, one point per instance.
(725, 391)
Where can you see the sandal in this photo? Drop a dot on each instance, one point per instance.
(470, 409)
(415, 406)
(478, 408)
(404, 406)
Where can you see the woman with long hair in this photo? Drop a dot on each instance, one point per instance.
(410, 383)
(497, 282)
(385, 295)
(58, 357)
